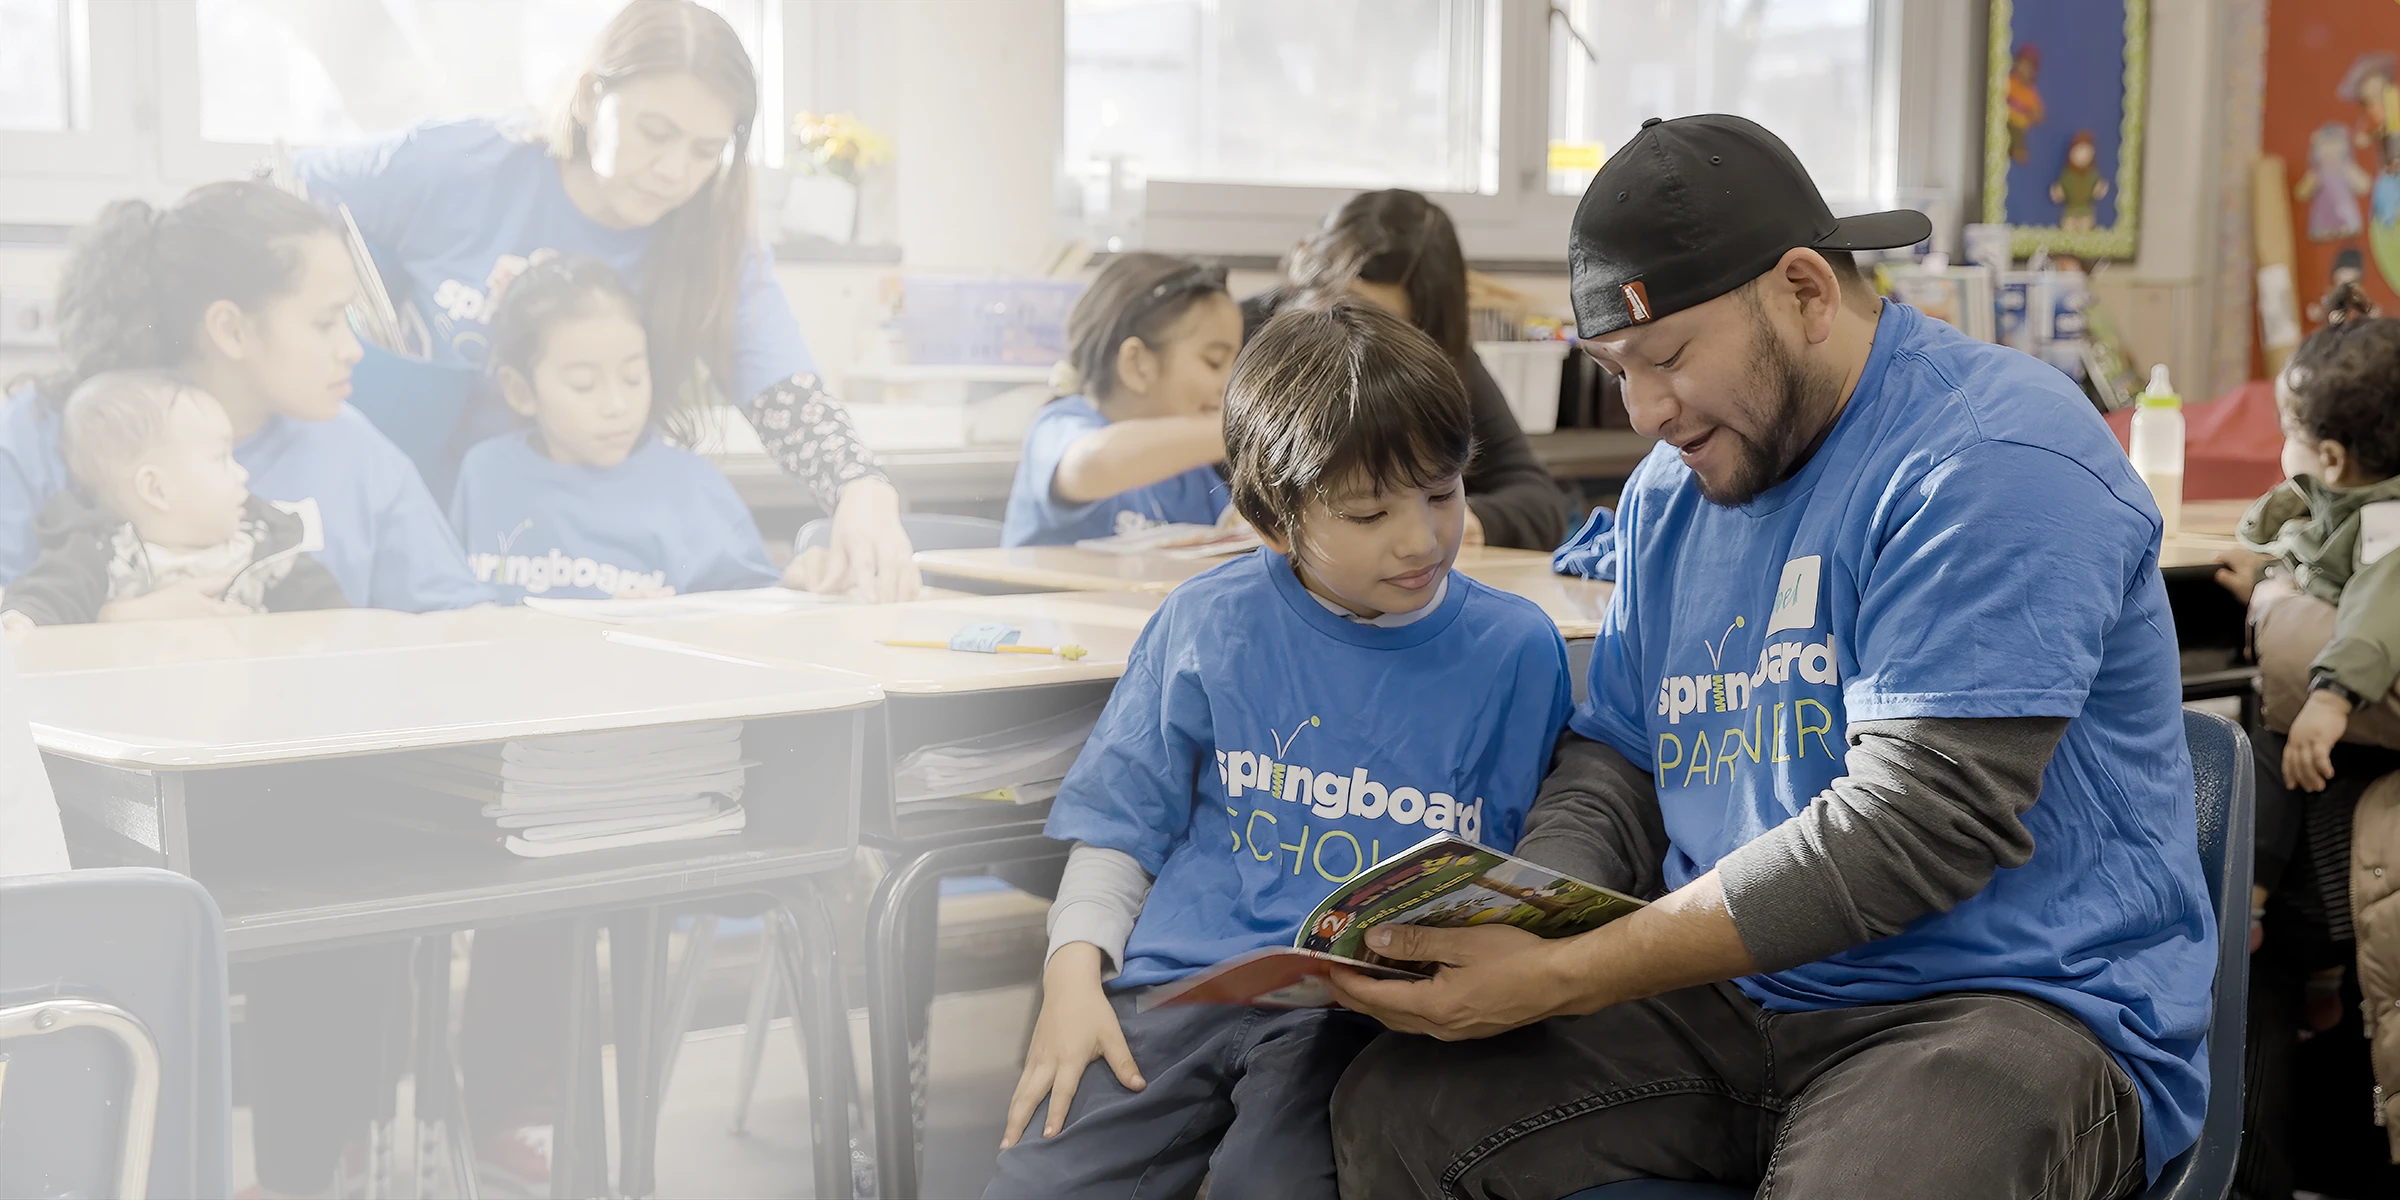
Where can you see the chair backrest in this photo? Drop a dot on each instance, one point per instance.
(2224, 784)
(926, 531)
(98, 970)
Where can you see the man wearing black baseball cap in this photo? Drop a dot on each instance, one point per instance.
(1886, 706)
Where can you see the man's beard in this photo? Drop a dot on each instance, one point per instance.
(1789, 419)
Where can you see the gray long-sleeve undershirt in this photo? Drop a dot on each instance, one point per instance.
(1929, 810)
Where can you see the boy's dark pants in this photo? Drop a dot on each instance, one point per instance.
(1975, 1094)
(1237, 1095)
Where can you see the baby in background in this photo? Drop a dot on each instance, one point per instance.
(2323, 590)
(162, 508)
(592, 502)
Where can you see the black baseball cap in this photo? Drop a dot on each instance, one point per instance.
(1693, 208)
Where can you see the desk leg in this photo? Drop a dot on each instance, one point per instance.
(888, 1003)
(579, 1149)
(636, 948)
(812, 973)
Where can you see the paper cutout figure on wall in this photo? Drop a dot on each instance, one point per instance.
(2079, 183)
(2024, 98)
(2332, 186)
(2368, 84)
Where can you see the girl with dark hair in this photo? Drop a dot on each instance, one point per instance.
(590, 501)
(240, 289)
(1398, 250)
(645, 166)
(1134, 436)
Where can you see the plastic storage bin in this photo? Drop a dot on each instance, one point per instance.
(986, 322)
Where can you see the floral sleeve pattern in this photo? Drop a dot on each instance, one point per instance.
(809, 435)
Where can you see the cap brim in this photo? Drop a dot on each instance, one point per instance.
(1878, 231)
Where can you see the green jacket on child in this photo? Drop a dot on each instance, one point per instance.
(2335, 544)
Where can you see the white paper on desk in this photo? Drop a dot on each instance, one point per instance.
(730, 821)
(696, 606)
(573, 831)
(683, 808)
(1177, 541)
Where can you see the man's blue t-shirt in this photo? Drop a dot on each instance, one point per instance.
(385, 539)
(1036, 517)
(1261, 750)
(662, 518)
(1969, 541)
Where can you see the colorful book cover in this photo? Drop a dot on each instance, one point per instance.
(1444, 881)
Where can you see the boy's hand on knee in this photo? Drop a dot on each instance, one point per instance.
(2308, 751)
(1076, 1026)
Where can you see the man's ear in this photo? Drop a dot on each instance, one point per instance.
(518, 391)
(1805, 280)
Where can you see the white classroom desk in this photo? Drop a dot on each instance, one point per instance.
(202, 747)
(152, 732)
(1576, 604)
(931, 696)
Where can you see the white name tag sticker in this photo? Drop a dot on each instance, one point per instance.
(2378, 530)
(1796, 596)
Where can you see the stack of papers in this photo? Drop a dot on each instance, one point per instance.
(599, 791)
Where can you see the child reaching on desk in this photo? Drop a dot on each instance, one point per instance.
(2323, 589)
(1134, 437)
(161, 502)
(592, 501)
(1284, 720)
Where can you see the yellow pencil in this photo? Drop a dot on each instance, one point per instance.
(1069, 653)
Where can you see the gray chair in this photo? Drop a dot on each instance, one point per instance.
(926, 531)
(2222, 786)
(113, 1020)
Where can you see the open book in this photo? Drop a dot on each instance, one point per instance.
(1443, 881)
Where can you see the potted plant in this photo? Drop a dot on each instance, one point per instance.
(834, 150)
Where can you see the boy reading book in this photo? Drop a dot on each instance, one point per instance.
(1285, 721)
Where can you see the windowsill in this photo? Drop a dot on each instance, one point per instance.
(819, 250)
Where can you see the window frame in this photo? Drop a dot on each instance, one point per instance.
(77, 170)
(1522, 222)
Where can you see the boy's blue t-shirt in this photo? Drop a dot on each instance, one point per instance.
(1261, 750)
(385, 539)
(443, 202)
(1036, 517)
(662, 518)
(1970, 542)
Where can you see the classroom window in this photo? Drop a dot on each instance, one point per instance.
(1803, 68)
(43, 65)
(316, 71)
(1331, 93)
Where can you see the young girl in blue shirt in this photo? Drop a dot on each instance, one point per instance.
(1134, 438)
(590, 501)
(1284, 721)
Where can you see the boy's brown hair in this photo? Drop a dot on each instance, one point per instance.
(1326, 396)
